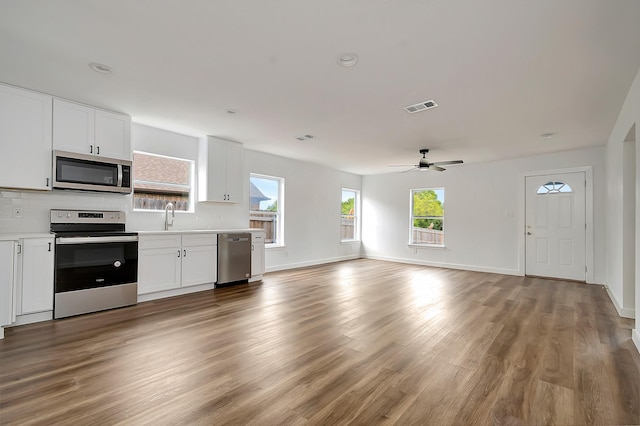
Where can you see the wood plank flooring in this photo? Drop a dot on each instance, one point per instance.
(361, 342)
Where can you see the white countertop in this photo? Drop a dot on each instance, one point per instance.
(199, 231)
(17, 235)
(14, 236)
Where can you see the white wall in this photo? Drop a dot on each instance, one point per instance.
(312, 203)
(483, 215)
(626, 296)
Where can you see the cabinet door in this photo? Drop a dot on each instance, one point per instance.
(199, 265)
(112, 135)
(25, 139)
(216, 170)
(37, 275)
(257, 259)
(7, 273)
(159, 269)
(235, 172)
(73, 127)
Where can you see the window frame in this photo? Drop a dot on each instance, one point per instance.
(412, 243)
(280, 217)
(192, 186)
(356, 216)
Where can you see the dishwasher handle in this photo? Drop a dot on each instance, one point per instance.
(237, 240)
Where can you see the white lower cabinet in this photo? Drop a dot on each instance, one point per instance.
(257, 254)
(7, 282)
(199, 259)
(36, 283)
(26, 280)
(158, 269)
(171, 261)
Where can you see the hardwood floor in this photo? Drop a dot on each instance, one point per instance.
(359, 342)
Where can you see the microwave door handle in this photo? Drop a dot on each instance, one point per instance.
(119, 176)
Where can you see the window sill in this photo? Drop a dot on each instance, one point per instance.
(437, 246)
(274, 247)
(349, 241)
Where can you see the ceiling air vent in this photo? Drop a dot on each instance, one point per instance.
(422, 106)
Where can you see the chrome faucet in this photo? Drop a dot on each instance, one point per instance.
(166, 215)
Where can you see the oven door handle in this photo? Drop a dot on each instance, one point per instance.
(91, 240)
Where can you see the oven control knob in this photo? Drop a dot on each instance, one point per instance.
(69, 215)
(117, 264)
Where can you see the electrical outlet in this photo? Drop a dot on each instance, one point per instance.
(17, 212)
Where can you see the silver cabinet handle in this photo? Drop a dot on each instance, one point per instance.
(90, 149)
(178, 253)
(47, 183)
(49, 247)
(184, 253)
(97, 150)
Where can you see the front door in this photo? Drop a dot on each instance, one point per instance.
(555, 226)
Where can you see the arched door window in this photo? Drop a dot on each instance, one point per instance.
(554, 188)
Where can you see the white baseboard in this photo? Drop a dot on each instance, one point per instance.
(635, 336)
(623, 312)
(32, 318)
(474, 268)
(175, 292)
(286, 266)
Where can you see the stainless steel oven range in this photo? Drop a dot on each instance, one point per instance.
(96, 262)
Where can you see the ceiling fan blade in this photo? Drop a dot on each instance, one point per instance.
(401, 165)
(436, 168)
(411, 169)
(444, 163)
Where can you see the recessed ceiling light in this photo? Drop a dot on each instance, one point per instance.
(547, 135)
(305, 137)
(101, 68)
(347, 59)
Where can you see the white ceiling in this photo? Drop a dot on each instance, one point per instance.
(502, 71)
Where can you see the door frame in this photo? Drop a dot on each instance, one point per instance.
(588, 174)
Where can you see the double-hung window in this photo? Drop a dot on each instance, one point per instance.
(427, 217)
(350, 210)
(267, 207)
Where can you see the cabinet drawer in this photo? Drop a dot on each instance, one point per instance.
(158, 241)
(192, 240)
(257, 237)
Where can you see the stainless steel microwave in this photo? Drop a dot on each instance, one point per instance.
(91, 173)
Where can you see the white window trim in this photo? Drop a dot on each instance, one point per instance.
(281, 242)
(411, 243)
(357, 235)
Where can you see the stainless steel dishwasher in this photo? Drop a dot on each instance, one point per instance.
(234, 257)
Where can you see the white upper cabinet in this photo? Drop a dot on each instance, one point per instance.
(113, 135)
(86, 130)
(25, 139)
(220, 170)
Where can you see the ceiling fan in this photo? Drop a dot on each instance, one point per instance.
(424, 164)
